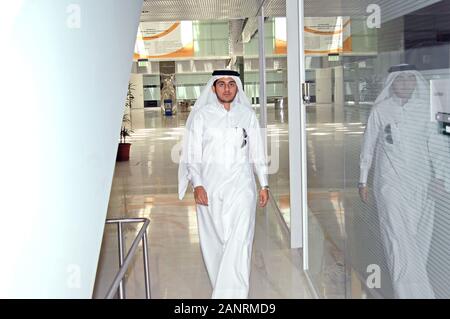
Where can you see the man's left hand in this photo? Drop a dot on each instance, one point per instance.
(263, 197)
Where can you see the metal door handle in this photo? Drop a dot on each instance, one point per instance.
(306, 93)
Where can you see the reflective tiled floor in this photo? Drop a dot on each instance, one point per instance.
(146, 186)
(343, 235)
(333, 139)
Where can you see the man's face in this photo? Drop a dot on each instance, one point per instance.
(404, 85)
(225, 89)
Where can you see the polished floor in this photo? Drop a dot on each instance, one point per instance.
(146, 186)
(334, 135)
(333, 140)
(343, 233)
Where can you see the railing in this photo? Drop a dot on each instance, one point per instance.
(125, 263)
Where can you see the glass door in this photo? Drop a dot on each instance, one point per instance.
(377, 148)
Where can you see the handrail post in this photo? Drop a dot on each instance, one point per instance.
(146, 274)
(121, 253)
(118, 282)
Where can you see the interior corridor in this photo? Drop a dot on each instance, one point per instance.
(146, 186)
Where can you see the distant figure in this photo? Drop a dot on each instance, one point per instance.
(168, 92)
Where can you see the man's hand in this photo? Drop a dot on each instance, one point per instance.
(263, 197)
(201, 198)
(364, 193)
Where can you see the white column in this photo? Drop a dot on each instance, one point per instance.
(262, 70)
(339, 94)
(323, 86)
(64, 67)
(297, 140)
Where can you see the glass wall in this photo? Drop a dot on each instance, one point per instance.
(210, 38)
(205, 49)
(151, 87)
(378, 148)
(277, 112)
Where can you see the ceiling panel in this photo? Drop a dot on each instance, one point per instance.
(174, 10)
(390, 9)
(275, 8)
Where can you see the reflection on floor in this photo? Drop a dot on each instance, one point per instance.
(343, 232)
(146, 186)
(332, 151)
(278, 150)
(333, 140)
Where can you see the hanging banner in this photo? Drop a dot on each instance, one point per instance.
(164, 40)
(322, 36)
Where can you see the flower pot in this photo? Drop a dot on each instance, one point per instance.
(123, 153)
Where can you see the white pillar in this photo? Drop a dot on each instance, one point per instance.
(339, 94)
(323, 86)
(64, 67)
(297, 139)
(262, 70)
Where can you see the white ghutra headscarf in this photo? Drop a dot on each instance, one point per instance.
(421, 93)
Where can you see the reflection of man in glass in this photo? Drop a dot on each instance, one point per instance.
(402, 141)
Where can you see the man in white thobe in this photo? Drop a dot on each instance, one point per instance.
(409, 157)
(222, 148)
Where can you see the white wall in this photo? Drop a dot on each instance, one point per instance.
(339, 94)
(62, 123)
(323, 86)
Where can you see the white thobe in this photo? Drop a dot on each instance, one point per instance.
(227, 149)
(405, 145)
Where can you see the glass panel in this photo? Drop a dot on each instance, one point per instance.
(379, 148)
(326, 155)
(277, 113)
(277, 117)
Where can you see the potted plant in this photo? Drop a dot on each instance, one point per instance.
(129, 101)
(123, 152)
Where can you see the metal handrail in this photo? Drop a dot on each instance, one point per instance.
(125, 263)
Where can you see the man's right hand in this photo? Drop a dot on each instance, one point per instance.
(201, 198)
(364, 193)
